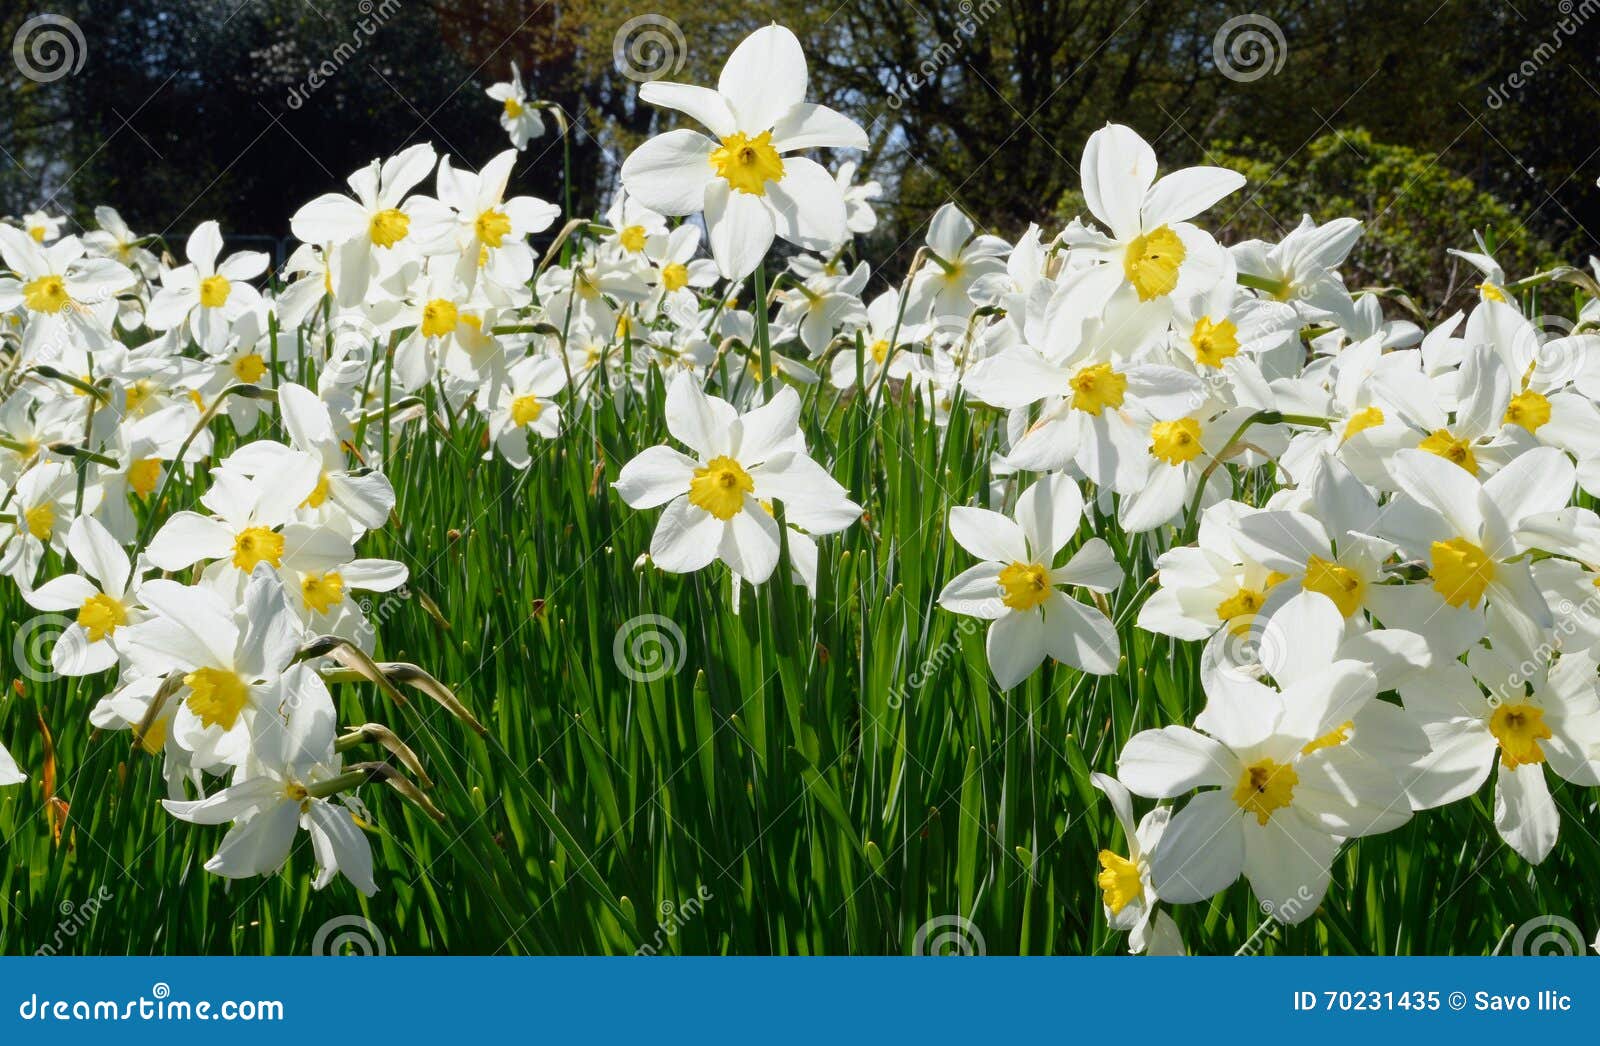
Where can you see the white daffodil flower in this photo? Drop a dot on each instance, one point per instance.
(1100, 396)
(1302, 269)
(360, 500)
(253, 525)
(113, 239)
(718, 500)
(1510, 708)
(101, 596)
(384, 217)
(961, 261)
(1148, 242)
(746, 179)
(1129, 899)
(1018, 587)
(525, 403)
(519, 119)
(207, 295)
(66, 297)
(1279, 798)
(492, 230)
(276, 793)
(232, 657)
(1465, 535)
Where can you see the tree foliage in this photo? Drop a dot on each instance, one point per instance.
(183, 107)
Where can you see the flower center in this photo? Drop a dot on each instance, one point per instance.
(1265, 786)
(439, 317)
(1118, 880)
(1237, 610)
(632, 238)
(513, 108)
(1490, 292)
(143, 475)
(40, 520)
(879, 350)
(1214, 342)
(214, 291)
(152, 739)
(492, 227)
(318, 495)
(674, 276)
(1361, 421)
(1447, 446)
(322, 591)
(46, 294)
(1175, 441)
(389, 227)
(216, 696)
(1460, 571)
(138, 393)
(748, 164)
(1024, 586)
(1151, 263)
(256, 545)
(1340, 584)
(100, 615)
(525, 410)
(1519, 729)
(249, 368)
(1528, 409)
(719, 487)
(1096, 387)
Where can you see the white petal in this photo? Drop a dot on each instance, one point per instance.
(1160, 764)
(670, 172)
